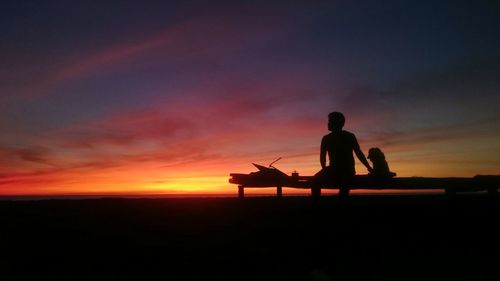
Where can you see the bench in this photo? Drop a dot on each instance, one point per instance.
(451, 185)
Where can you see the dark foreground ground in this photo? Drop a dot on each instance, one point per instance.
(426, 237)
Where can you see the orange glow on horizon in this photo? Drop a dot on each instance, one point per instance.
(154, 180)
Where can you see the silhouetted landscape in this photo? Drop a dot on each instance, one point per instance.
(264, 238)
(385, 113)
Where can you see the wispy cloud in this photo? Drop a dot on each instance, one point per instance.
(30, 154)
(202, 37)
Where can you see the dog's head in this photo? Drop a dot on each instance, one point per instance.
(376, 155)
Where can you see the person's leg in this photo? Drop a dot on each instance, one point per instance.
(345, 181)
(344, 191)
(316, 184)
(321, 179)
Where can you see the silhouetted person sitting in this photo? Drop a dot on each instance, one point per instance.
(380, 165)
(339, 145)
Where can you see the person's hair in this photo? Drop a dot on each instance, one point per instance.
(337, 118)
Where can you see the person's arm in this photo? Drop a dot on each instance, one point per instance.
(322, 153)
(361, 155)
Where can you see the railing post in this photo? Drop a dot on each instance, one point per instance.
(241, 191)
(344, 191)
(450, 192)
(279, 191)
(316, 192)
(492, 191)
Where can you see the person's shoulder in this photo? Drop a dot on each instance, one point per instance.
(327, 137)
(349, 134)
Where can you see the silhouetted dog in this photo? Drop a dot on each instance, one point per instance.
(380, 166)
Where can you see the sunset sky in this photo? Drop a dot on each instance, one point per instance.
(162, 97)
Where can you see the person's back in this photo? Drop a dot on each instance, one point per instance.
(339, 147)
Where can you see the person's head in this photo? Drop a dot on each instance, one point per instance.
(336, 121)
